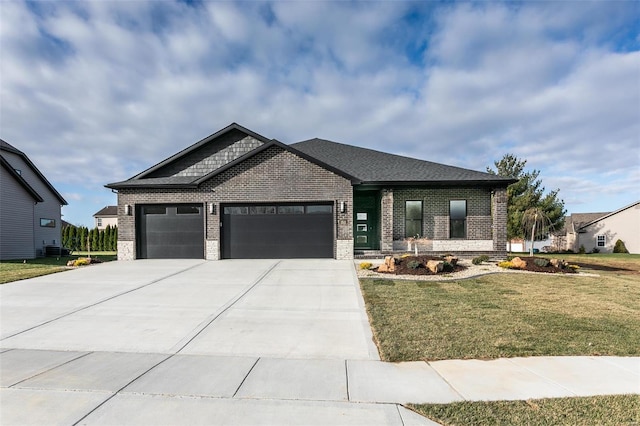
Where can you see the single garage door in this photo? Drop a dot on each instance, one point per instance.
(170, 231)
(277, 231)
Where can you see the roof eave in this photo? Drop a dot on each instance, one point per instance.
(448, 183)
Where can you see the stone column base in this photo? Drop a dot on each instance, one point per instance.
(126, 250)
(344, 249)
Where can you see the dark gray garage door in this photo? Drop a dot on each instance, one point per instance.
(277, 231)
(170, 231)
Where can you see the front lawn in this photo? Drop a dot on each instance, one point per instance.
(507, 315)
(14, 270)
(596, 410)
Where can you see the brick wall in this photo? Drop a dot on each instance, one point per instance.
(435, 205)
(274, 175)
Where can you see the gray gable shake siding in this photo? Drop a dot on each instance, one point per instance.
(236, 165)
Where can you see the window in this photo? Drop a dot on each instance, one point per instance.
(412, 218)
(99, 221)
(154, 210)
(290, 209)
(457, 219)
(188, 210)
(236, 210)
(319, 209)
(47, 223)
(601, 240)
(262, 210)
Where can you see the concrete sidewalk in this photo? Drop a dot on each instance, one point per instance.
(134, 388)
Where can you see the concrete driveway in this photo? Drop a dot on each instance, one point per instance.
(275, 308)
(188, 342)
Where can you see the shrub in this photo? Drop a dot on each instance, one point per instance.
(478, 260)
(366, 265)
(574, 267)
(413, 264)
(620, 247)
(582, 250)
(81, 262)
(507, 264)
(541, 262)
(447, 267)
(405, 255)
(595, 250)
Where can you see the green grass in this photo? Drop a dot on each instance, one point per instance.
(598, 410)
(505, 315)
(14, 270)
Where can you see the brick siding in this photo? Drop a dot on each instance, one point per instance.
(273, 175)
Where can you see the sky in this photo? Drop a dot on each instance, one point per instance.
(95, 92)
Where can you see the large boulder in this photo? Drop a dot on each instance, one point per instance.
(389, 265)
(435, 266)
(519, 263)
(452, 260)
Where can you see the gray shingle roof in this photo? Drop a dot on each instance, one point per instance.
(5, 146)
(360, 165)
(107, 211)
(372, 166)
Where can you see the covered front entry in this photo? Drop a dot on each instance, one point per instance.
(170, 231)
(269, 231)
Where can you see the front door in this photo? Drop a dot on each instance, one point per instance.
(365, 220)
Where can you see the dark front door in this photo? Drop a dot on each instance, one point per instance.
(365, 220)
(277, 231)
(170, 231)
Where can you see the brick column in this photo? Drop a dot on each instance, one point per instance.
(499, 209)
(386, 220)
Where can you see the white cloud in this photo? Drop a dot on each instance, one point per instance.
(117, 86)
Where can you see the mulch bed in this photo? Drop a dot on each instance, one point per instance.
(550, 269)
(403, 269)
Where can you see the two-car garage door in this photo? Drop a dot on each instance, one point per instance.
(248, 231)
(277, 231)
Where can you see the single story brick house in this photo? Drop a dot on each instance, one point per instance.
(238, 194)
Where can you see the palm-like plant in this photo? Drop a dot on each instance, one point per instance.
(538, 222)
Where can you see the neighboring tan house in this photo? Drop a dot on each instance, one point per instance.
(108, 216)
(602, 233)
(237, 194)
(30, 208)
(567, 238)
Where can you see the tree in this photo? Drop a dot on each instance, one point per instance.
(526, 194)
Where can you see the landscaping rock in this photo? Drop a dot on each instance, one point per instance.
(435, 266)
(389, 265)
(519, 263)
(559, 263)
(452, 260)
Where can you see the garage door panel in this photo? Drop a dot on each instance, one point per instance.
(281, 235)
(166, 232)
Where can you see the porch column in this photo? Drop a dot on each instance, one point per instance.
(499, 209)
(386, 220)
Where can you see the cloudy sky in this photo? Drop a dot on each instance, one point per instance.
(95, 92)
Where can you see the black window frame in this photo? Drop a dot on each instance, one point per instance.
(413, 224)
(457, 223)
(47, 223)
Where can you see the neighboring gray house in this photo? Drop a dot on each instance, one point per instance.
(30, 207)
(237, 194)
(107, 216)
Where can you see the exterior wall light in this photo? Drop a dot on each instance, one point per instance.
(127, 210)
(212, 208)
(343, 206)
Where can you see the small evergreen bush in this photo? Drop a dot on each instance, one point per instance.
(507, 264)
(366, 265)
(541, 262)
(620, 247)
(413, 264)
(478, 260)
(447, 267)
(582, 250)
